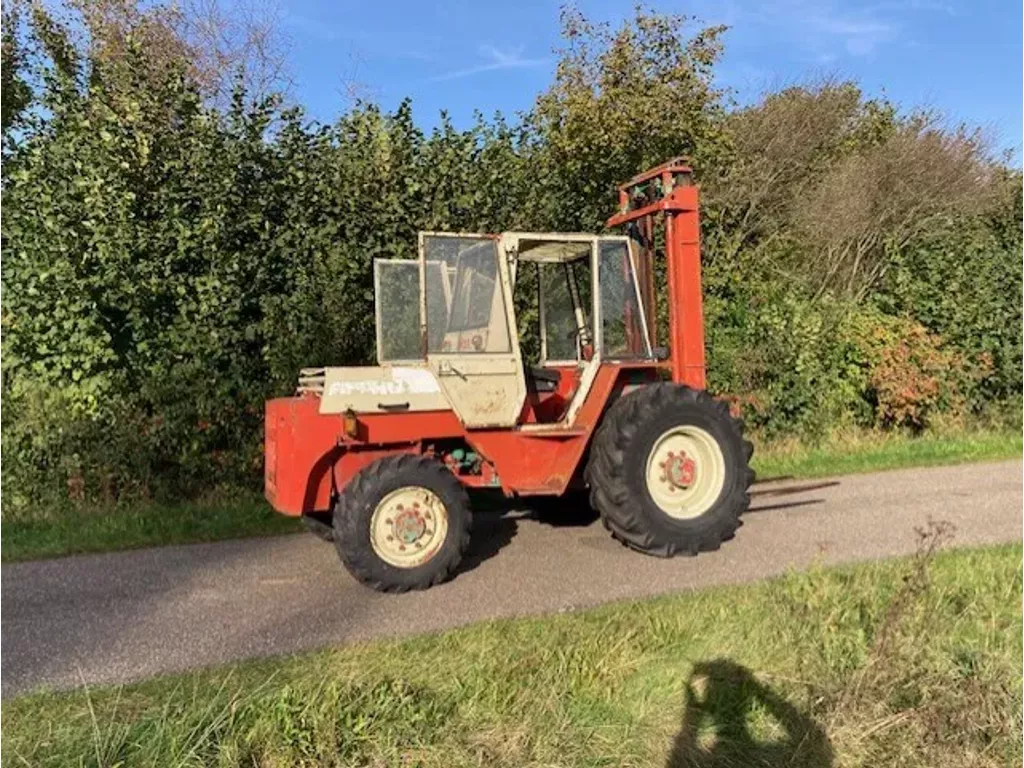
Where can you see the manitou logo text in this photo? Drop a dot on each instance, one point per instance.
(411, 381)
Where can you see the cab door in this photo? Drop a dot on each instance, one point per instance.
(472, 347)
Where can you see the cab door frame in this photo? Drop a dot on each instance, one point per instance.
(486, 389)
(590, 368)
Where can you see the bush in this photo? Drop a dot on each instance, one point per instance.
(782, 359)
(962, 281)
(909, 374)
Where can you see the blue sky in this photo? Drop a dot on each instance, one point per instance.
(962, 58)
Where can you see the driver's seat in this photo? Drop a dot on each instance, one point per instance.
(542, 379)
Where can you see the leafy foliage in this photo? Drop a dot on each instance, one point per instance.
(908, 373)
(171, 263)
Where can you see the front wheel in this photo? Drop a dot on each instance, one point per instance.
(402, 523)
(669, 471)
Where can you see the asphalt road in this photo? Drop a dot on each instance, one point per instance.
(125, 616)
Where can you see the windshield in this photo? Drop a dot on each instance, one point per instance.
(565, 296)
(622, 321)
(475, 320)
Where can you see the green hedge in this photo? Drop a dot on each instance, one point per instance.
(168, 265)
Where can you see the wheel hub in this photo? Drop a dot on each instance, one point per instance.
(409, 526)
(685, 471)
(680, 470)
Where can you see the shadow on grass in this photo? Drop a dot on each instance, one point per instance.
(721, 696)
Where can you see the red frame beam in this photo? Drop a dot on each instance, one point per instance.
(309, 458)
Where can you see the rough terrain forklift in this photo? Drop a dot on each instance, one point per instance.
(379, 459)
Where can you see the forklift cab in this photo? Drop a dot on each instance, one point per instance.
(588, 310)
(455, 312)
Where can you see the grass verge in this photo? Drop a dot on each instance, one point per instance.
(912, 662)
(861, 451)
(247, 514)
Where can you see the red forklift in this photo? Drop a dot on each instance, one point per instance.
(383, 458)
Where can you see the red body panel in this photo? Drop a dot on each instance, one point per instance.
(298, 444)
(308, 455)
(309, 458)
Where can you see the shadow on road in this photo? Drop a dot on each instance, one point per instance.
(759, 494)
(491, 532)
(720, 697)
(495, 516)
(784, 505)
(495, 520)
(789, 490)
(571, 510)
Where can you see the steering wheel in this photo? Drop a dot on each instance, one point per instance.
(586, 350)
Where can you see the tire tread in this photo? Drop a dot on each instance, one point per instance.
(366, 488)
(605, 473)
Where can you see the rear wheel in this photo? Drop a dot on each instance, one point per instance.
(402, 523)
(669, 471)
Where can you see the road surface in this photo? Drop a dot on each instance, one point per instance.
(124, 616)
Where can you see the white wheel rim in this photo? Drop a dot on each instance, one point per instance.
(408, 527)
(685, 472)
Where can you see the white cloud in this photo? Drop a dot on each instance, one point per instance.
(859, 35)
(828, 29)
(494, 59)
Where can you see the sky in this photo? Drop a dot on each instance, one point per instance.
(959, 57)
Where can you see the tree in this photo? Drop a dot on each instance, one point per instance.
(622, 100)
(781, 148)
(874, 201)
(17, 94)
